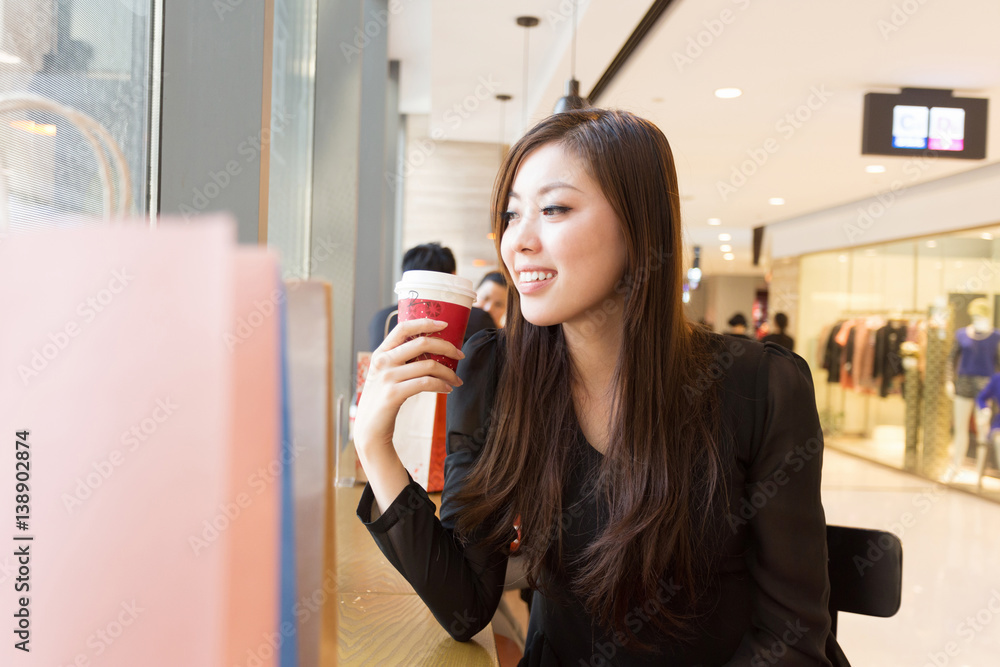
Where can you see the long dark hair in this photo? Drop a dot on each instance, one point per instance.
(662, 472)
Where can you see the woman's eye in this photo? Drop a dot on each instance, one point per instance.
(554, 210)
(507, 216)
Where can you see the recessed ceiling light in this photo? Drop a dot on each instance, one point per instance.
(729, 256)
(714, 221)
(480, 262)
(842, 258)
(932, 244)
(987, 236)
(725, 237)
(491, 236)
(776, 201)
(728, 93)
(726, 248)
(875, 169)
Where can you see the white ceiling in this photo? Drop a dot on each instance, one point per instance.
(779, 52)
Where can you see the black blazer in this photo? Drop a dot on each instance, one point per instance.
(767, 603)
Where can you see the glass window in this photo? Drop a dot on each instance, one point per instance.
(94, 57)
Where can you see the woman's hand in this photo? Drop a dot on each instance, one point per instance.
(391, 380)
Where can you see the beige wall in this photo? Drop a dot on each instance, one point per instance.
(447, 196)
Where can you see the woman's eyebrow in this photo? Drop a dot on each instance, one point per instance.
(555, 185)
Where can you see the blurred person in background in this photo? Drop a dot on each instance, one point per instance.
(425, 257)
(779, 336)
(491, 296)
(738, 326)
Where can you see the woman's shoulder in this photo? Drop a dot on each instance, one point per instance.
(482, 352)
(759, 383)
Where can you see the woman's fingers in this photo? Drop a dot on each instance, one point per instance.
(424, 345)
(398, 349)
(426, 367)
(421, 384)
(406, 330)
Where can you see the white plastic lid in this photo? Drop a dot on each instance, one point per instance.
(435, 280)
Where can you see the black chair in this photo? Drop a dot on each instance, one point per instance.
(866, 572)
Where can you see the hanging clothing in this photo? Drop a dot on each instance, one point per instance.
(834, 353)
(888, 361)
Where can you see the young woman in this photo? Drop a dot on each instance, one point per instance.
(664, 481)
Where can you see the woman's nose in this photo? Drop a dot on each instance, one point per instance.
(525, 234)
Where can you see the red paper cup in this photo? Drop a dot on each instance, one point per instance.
(438, 296)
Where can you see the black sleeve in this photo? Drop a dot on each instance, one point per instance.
(788, 559)
(460, 584)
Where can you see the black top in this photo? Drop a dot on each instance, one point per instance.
(479, 320)
(768, 599)
(784, 340)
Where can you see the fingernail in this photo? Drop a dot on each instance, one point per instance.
(440, 323)
(461, 355)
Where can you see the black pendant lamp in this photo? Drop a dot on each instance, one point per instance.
(526, 22)
(503, 98)
(572, 100)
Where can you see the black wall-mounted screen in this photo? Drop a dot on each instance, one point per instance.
(925, 122)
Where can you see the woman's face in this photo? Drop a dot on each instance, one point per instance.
(563, 243)
(492, 298)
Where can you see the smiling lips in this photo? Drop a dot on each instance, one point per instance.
(532, 281)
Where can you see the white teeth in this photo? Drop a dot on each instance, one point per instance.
(534, 276)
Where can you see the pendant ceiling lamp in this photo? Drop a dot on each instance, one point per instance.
(572, 100)
(503, 99)
(526, 22)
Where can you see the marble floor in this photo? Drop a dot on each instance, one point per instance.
(951, 567)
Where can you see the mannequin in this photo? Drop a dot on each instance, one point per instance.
(988, 433)
(974, 358)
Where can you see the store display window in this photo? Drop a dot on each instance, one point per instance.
(903, 339)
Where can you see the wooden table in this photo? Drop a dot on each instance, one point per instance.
(380, 619)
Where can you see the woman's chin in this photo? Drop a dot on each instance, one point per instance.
(540, 319)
